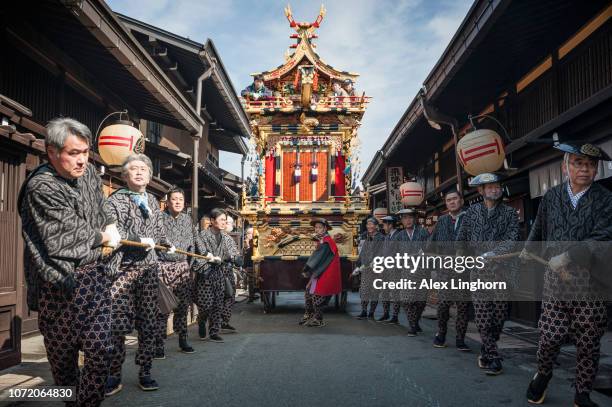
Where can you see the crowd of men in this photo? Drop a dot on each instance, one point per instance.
(95, 267)
(571, 219)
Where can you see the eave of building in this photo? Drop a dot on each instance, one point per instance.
(193, 59)
(104, 25)
(488, 40)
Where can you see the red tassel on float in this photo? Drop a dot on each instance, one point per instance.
(296, 81)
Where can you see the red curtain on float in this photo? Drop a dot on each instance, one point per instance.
(270, 176)
(340, 166)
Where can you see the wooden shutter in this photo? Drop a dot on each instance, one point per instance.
(322, 190)
(306, 159)
(289, 186)
(12, 175)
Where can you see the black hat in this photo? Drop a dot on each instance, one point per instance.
(372, 220)
(485, 178)
(583, 149)
(258, 77)
(388, 219)
(347, 81)
(407, 211)
(322, 221)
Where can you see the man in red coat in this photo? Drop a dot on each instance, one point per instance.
(323, 269)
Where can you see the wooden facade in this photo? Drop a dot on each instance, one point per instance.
(553, 74)
(12, 295)
(64, 67)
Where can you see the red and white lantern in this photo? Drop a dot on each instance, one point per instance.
(481, 151)
(117, 141)
(412, 193)
(380, 213)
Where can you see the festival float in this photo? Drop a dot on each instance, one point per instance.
(305, 148)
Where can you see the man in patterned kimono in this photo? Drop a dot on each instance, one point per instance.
(65, 224)
(573, 220)
(323, 270)
(415, 238)
(364, 269)
(211, 285)
(135, 271)
(489, 228)
(385, 296)
(441, 241)
(174, 271)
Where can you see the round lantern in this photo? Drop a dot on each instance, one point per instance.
(411, 193)
(119, 140)
(481, 151)
(380, 213)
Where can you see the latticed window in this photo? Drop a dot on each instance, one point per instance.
(154, 132)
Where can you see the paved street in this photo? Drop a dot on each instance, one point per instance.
(275, 362)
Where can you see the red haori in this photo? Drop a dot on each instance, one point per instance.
(330, 282)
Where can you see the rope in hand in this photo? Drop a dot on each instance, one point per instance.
(163, 248)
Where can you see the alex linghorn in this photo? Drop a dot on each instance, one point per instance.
(430, 284)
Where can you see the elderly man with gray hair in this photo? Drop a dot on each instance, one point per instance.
(65, 225)
(135, 271)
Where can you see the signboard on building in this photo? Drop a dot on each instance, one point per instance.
(395, 178)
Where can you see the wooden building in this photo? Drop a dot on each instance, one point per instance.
(539, 68)
(79, 60)
(226, 129)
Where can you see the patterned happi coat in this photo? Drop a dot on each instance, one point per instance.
(62, 223)
(446, 232)
(132, 225)
(412, 246)
(209, 288)
(496, 230)
(559, 228)
(387, 250)
(442, 242)
(367, 252)
(227, 250)
(181, 232)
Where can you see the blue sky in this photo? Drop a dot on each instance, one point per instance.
(392, 44)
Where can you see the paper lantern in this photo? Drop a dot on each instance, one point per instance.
(481, 151)
(380, 213)
(411, 193)
(119, 140)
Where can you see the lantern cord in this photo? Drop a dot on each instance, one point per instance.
(121, 113)
(471, 119)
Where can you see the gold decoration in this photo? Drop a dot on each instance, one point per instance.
(590, 150)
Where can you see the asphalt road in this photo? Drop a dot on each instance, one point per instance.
(274, 362)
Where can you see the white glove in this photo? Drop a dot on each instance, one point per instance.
(487, 257)
(149, 242)
(217, 260)
(209, 257)
(524, 256)
(171, 250)
(115, 237)
(356, 272)
(558, 262)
